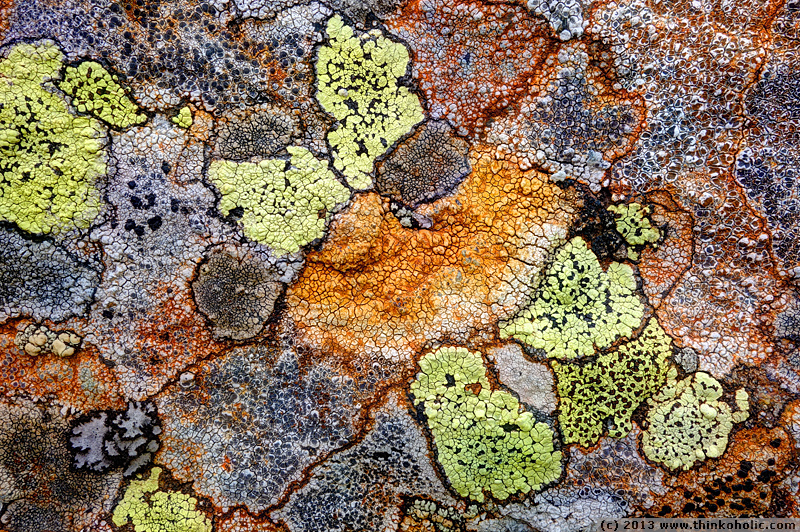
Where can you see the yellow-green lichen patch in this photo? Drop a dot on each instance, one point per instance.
(688, 423)
(611, 387)
(282, 208)
(95, 91)
(578, 305)
(484, 442)
(634, 226)
(357, 84)
(151, 510)
(50, 159)
(183, 118)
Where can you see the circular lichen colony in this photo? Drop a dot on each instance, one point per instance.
(257, 132)
(50, 159)
(425, 167)
(236, 293)
(687, 422)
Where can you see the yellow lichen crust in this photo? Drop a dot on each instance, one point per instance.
(611, 387)
(688, 423)
(282, 208)
(634, 226)
(95, 91)
(357, 84)
(50, 159)
(578, 306)
(484, 442)
(183, 118)
(151, 510)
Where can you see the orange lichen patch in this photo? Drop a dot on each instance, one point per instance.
(661, 267)
(385, 289)
(81, 381)
(5, 9)
(471, 59)
(790, 419)
(241, 521)
(738, 484)
(724, 305)
(174, 337)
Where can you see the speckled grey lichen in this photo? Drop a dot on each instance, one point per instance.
(367, 484)
(41, 280)
(251, 422)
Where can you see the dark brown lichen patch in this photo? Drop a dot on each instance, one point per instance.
(425, 167)
(258, 132)
(236, 292)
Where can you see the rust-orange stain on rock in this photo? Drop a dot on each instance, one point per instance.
(378, 288)
(471, 59)
(724, 304)
(80, 381)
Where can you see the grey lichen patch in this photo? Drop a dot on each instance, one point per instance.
(250, 423)
(392, 465)
(532, 381)
(564, 16)
(237, 292)
(41, 280)
(103, 440)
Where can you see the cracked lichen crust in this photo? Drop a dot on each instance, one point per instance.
(284, 208)
(261, 131)
(578, 306)
(688, 423)
(611, 387)
(357, 83)
(484, 442)
(50, 159)
(425, 167)
(247, 426)
(95, 91)
(152, 510)
(392, 465)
